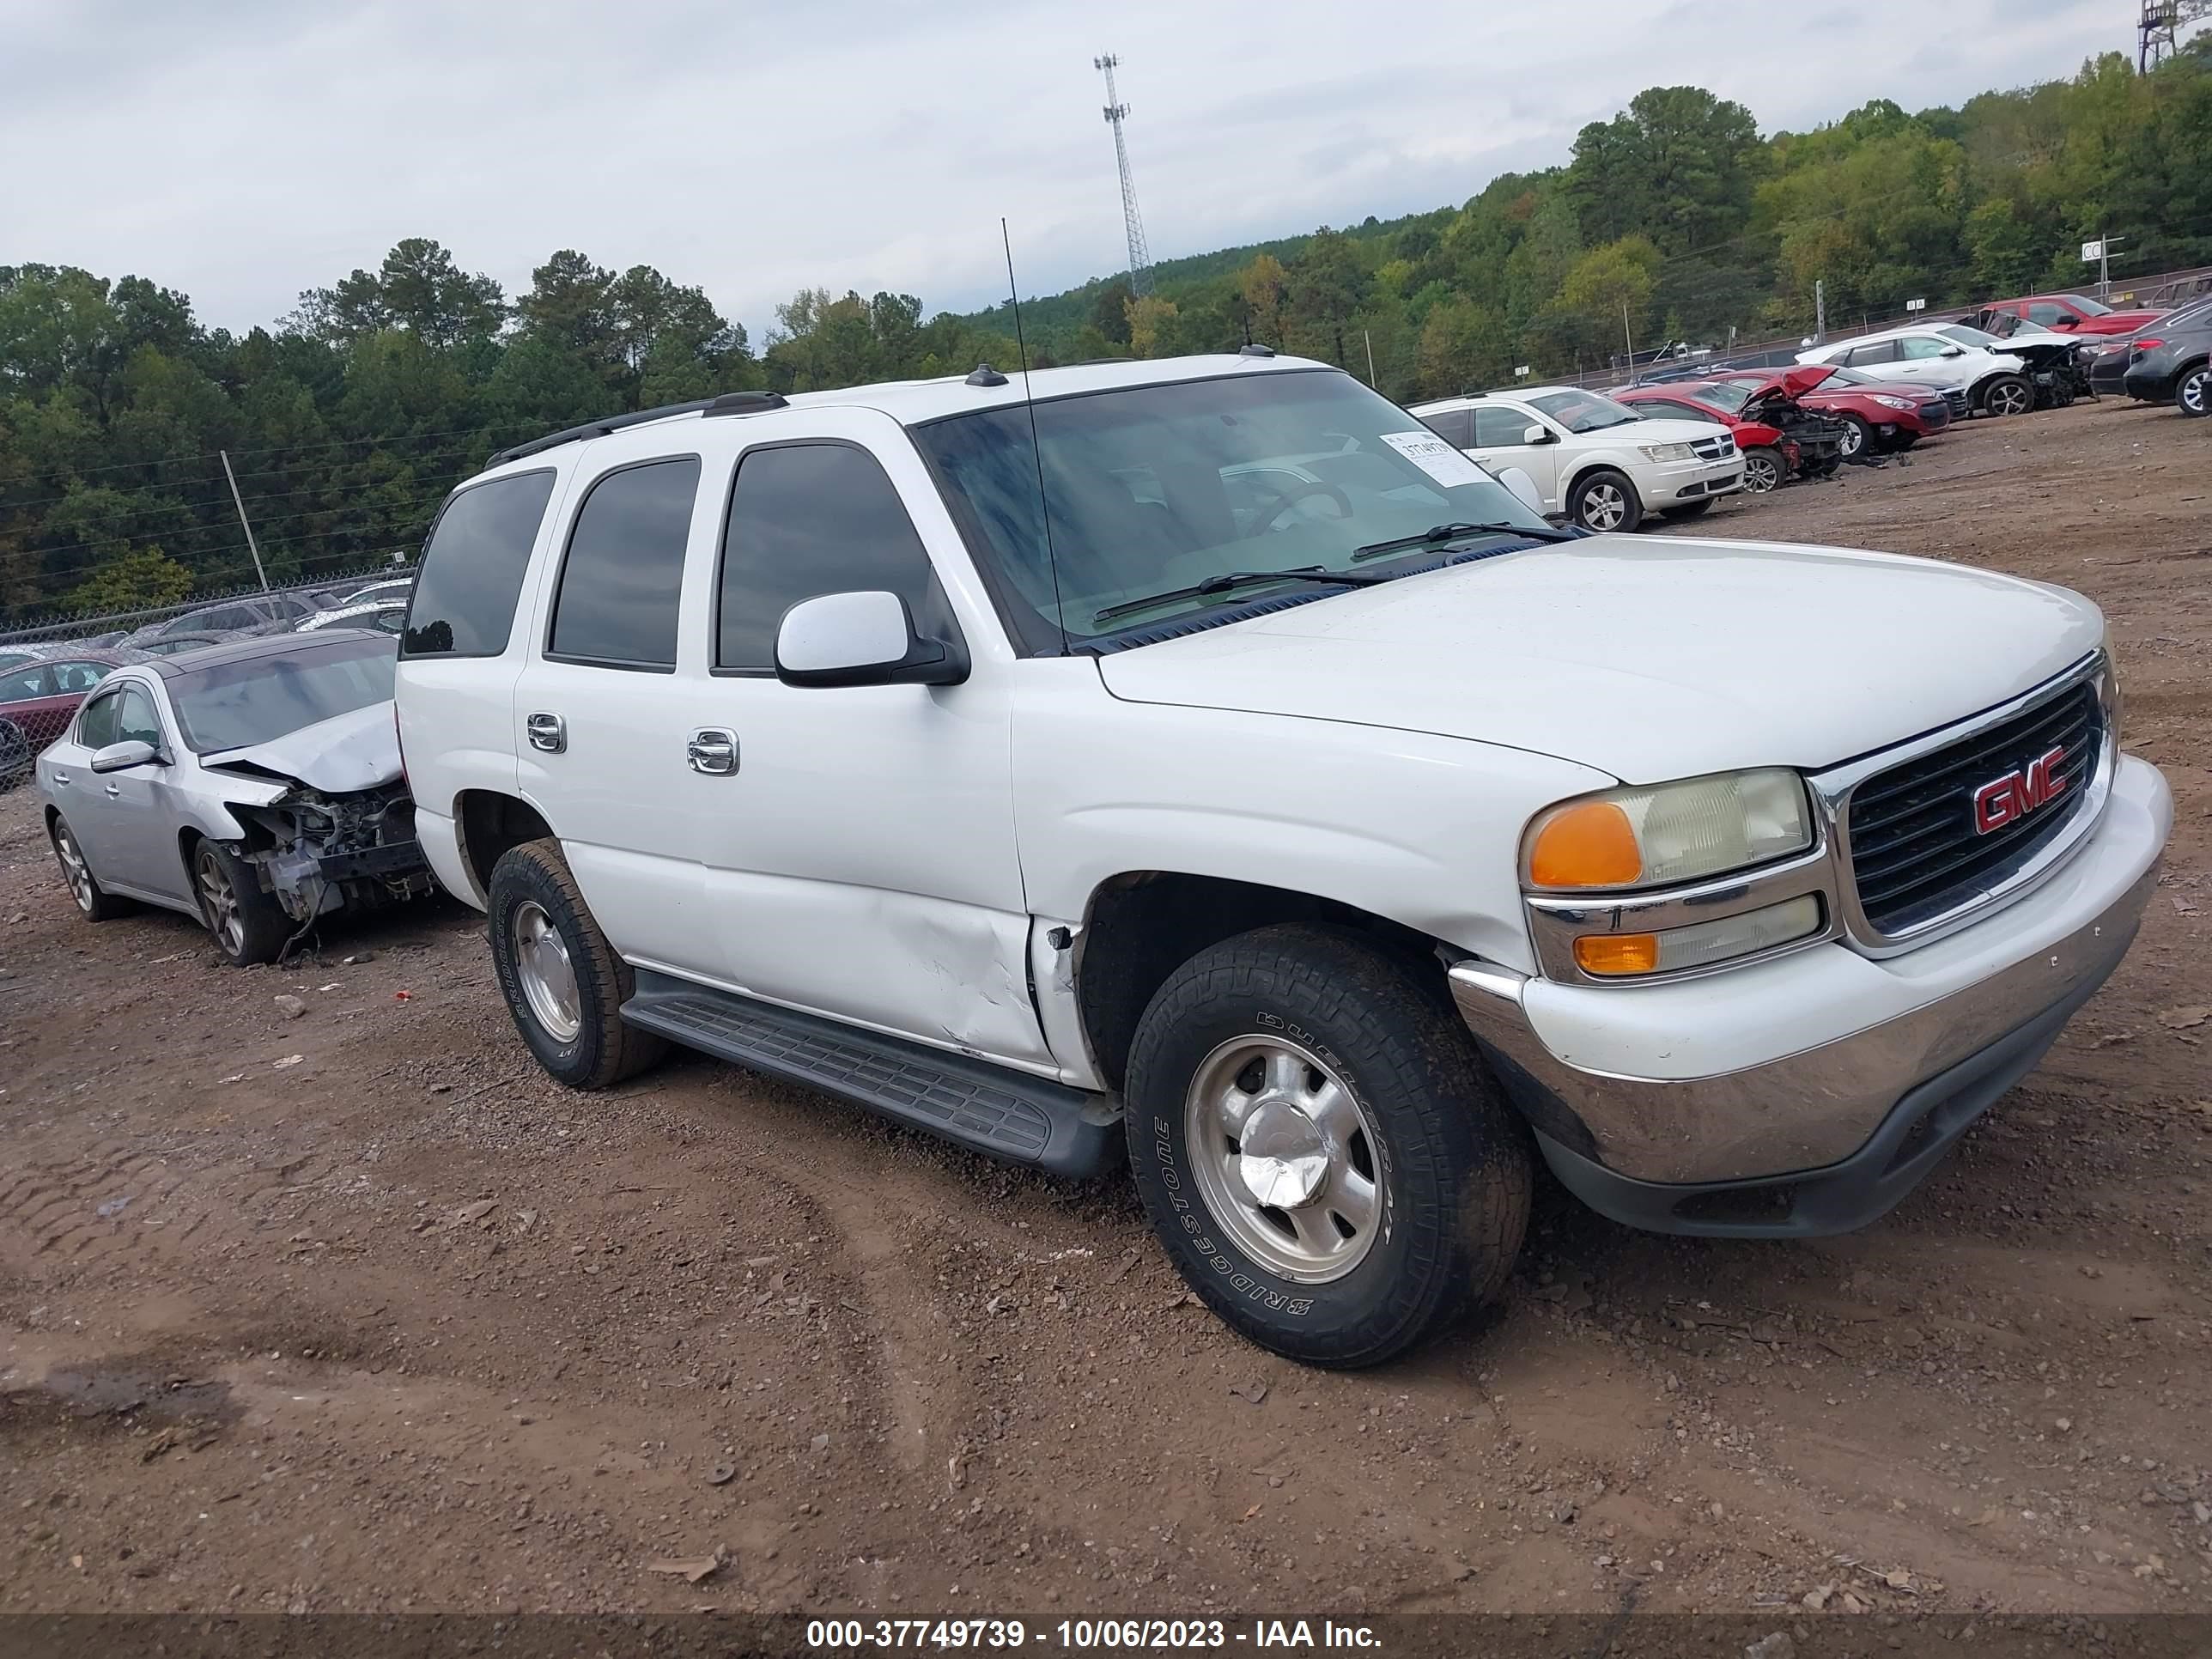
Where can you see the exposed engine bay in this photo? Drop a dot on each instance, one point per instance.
(1813, 443)
(318, 852)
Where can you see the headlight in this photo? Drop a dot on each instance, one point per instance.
(1668, 451)
(1893, 403)
(1613, 956)
(1668, 833)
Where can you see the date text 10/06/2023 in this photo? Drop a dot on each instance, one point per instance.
(1088, 1635)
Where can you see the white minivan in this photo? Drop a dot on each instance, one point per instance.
(1595, 463)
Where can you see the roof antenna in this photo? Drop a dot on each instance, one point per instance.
(1037, 449)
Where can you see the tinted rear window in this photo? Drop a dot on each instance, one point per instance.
(473, 566)
(624, 571)
(234, 704)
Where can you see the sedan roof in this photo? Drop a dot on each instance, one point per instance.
(262, 645)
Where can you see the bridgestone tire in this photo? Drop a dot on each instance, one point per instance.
(1452, 1165)
(603, 1051)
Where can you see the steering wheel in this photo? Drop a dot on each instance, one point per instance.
(1290, 497)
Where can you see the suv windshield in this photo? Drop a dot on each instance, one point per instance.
(1583, 411)
(234, 705)
(1156, 490)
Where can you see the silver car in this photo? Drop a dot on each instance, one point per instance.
(256, 785)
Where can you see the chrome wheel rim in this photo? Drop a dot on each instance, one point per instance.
(547, 975)
(1604, 506)
(1758, 475)
(1854, 438)
(1287, 1159)
(74, 870)
(2192, 392)
(2009, 399)
(219, 904)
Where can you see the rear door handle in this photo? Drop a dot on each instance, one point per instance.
(549, 733)
(712, 749)
(61, 780)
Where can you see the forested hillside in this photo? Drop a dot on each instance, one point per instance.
(348, 419)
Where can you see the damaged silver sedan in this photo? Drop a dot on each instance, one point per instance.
(256, 785)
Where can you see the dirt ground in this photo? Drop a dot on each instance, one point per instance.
(357, 1310)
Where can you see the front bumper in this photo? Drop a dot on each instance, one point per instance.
(1846, 1076)
(1690, 481)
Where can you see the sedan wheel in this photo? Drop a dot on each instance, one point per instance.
(15, 755)
(1855, 437)
(219, 904)
(2193, 395)
(74, 871)
(1762, 471)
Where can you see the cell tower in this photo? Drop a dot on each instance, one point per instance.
(1140, 258)
(2156, 33)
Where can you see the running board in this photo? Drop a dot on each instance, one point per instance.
(1006, 1115)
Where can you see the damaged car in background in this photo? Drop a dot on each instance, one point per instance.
(255, 785)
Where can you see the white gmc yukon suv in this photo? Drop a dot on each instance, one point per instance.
(1205, 761)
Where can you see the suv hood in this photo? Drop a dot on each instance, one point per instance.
(1651, 659)
(338, 755)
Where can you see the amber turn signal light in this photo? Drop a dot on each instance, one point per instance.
(1616, 953)
(1588, 844)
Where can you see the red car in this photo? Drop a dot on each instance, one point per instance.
(1882, 414)
(37, 700)
(2073, 314)
(1779, 437)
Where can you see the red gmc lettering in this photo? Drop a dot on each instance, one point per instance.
(2018, 793)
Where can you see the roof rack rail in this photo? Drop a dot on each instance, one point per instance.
(597, 429)
(747, 403)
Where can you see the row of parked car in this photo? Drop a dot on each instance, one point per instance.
(43, 684)
(1606, 461)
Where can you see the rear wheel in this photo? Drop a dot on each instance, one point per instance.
(94, 901)
(1319, 1149)
(564, 985)
(1605, 500)
(2192, 393)
(2007, 394)
(248, 925)
(1762, 470)
(17, 756)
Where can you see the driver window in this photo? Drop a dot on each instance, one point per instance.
(2044, 313)
(1916, 349)
(95, 727)
(1500, 428)
(135, 719)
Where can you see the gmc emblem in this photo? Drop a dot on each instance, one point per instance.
(2013, 796)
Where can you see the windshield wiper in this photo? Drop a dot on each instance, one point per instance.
(1436, 534)
(1230, 581)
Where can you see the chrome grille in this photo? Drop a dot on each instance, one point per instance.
(1713, 449)
(1959, 404)
(1915, 853)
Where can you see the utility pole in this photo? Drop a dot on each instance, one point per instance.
(1819, 310)
(1627, 336)
(242, 524)
(1140, 258)
(1369, 337)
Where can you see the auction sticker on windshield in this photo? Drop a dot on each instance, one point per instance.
(1437, 458)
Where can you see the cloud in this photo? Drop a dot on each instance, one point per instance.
(247, 152)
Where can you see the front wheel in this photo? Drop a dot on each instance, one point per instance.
(1605, 500)
(563, 983)
(249, 926)
(1858, 437)
(1319, 1149)
(1762, 470)
(2007, 394)
(2192, 394)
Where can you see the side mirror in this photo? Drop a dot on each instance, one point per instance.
(2066, 322)
(1537, 435)
(1524, 488)
(861, 639)
(122, 757)
(1955, 351)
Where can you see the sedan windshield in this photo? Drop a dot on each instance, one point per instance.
(1730, 395)
(1157, 493)
(1966, 336)
(234, 705)
(1583, 411)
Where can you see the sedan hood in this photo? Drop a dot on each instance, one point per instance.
(1649, 658)
(338, 755)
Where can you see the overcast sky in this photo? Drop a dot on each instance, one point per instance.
(243, 151)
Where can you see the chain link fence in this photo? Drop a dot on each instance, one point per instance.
(94, 627)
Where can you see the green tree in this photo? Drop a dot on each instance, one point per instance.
(143, 578)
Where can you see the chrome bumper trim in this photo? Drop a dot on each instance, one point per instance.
(1799, 1112)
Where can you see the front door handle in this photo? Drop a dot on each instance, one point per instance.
(114, 792)
(547, 731)
(712, 749)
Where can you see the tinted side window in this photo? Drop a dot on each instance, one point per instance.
(1496, 429)
(135, 719)
(26, 683)
(1883, 351)
(472, 567)
(1452, 425)
(809, 519)
(79, 676)
(95, 727)
(2044, 313)
(619, 585)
